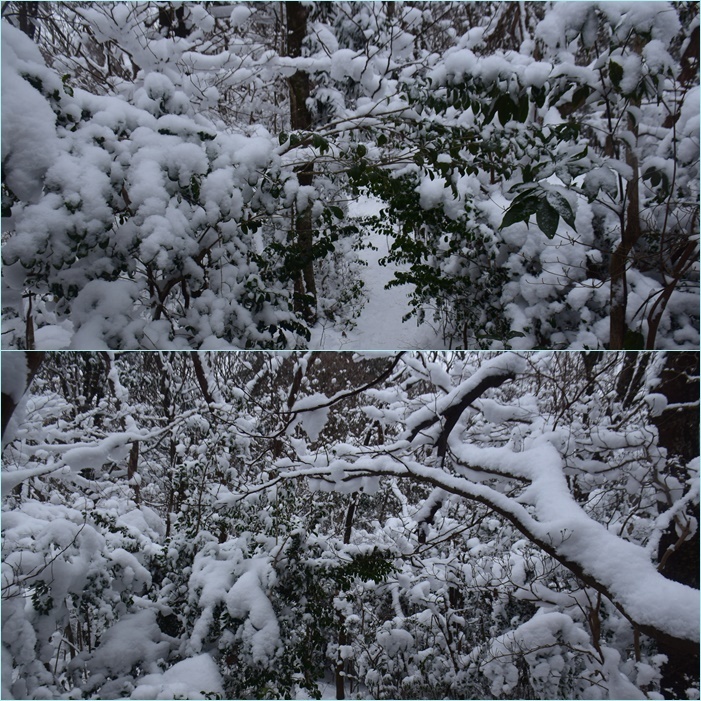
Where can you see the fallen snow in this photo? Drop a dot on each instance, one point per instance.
(380, 325)
(193, 678)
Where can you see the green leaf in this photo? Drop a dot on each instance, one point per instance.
(283, 138)
(582, 154)
(490, 111)
(547, 218)
(561, 206)
(580, 96)
(523, 108)
(518, 211)
(337, 212)
(361, 150)
(616, 73)
(528, 193)
(505, 109)
(381, 140)
(656, 177)
(633, 340)
(538, 95)
(578, 99)
(320, 143)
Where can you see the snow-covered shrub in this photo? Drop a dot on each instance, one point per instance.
(426, 525)
(594, 138)
(70, 575)
(449, 250)
(144, 233)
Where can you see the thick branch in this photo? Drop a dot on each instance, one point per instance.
(616, 568)
(683, 645)
(201, 377)
(491, 374)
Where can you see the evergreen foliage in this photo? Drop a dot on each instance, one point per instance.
(421, 525)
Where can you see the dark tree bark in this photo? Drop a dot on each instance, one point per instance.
(453, 413)
(28, 18)
(172, 21)
(201, 377)
(678, 428)
(339, 672)
(631, 231)
(631, 377)
(590, 360)
(132, 476)
(301, 120)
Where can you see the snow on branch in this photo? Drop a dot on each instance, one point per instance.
(542, 508)
(492, 374)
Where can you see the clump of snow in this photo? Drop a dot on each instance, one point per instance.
(29, 141)
(657, 403)
(312, 420)
(247, 599)
(194, 678)
(395, 640)
(239, 15)
(101, 314)
(431, 193)
(134, 639)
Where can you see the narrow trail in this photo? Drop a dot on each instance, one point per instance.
(379, 326)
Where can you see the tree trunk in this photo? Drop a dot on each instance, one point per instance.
(630, 234)
(28, 17)
(678, 553)
(301, 120)
(619, 259)
(133, 479)
(9, 404)
(630, 378)
(132, 471)
(201, 377)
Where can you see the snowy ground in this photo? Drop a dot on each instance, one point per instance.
(379, 326)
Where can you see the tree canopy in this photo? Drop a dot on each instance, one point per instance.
(177, 175)
(406, 525)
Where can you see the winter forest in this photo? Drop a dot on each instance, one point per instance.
(350, 175)
(306, 524)
(350, 350)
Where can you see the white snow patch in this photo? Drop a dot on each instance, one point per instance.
(193, 678)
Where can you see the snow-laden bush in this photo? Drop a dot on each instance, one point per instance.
(419, 525)
(137, 225)
(550, 195)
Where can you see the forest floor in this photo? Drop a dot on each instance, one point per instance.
(379, 326)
